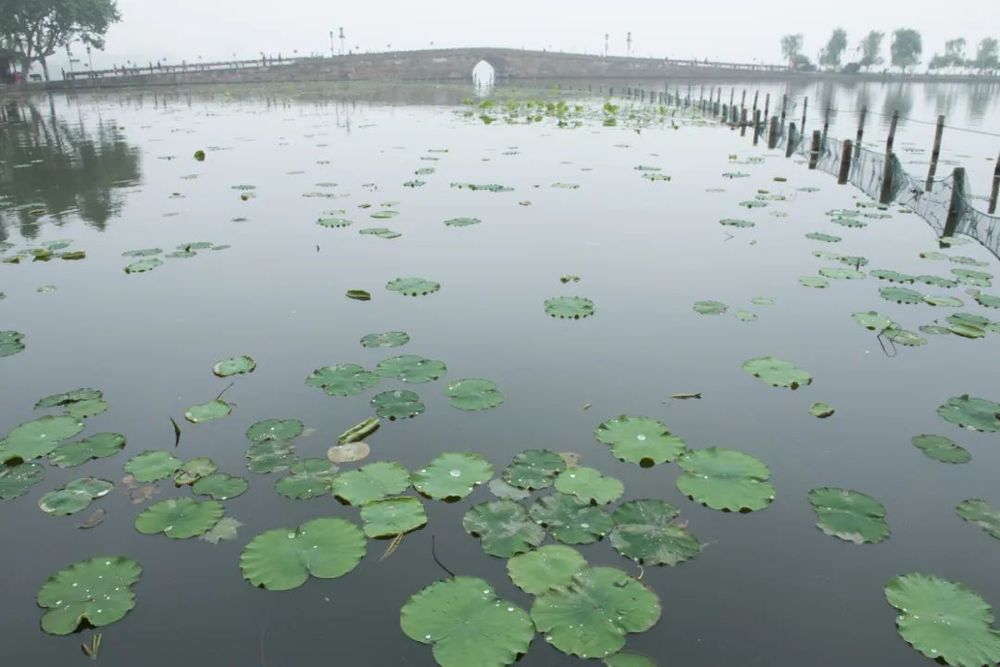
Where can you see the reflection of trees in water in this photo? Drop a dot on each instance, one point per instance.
(898, 97)
(70, 170)
(983, 98)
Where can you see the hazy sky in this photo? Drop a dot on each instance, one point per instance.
(715, 29)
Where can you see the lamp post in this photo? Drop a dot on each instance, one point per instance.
(342, 37)
(331, 45)
(90, 58)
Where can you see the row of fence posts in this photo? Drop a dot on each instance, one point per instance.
(776, 128)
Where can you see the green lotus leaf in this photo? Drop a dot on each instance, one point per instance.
(850, 515)
(647, 531)
(626, 659)
(569, 307)
(725, 479)
(906, 338)
(358, 295)
(16, 480)
(333, 222)
(821, 410)
(987, 300)
(934, 330)
(549, 567)
(850, 222)
(98, 446)
(967, 325)
(777, 372)
(413, 286)
(386, 339)
(371, 482)
(411, 368)
(215, 409)
(91, 593)
(179, 518)
(68, 397)
(762, 301)
(381, 232)
(944, 620)
(892, 276)
(974, 278)
(462, 222)
(393, 516)
(275, 429)
(504, 528)
(505, 491)
(75, 496)
(86, 409)
(826, 238)
(874, 321)
(342, 380)
(943, 301)
(640, 440)
(840, 273)
(901, 295)
(982, 514)
(35, 439)
(283, 559)
(397, 404)
(816, 282)
(570, 520)
(589, 485)
(384, 215)
(978, 414)
(152, 465)
(234, 366)
(143, 252)
(591, 616)
(534, 469)
(144, 265)
(753, 203)
(936, 281)
(485, 187)
(474, 394)
(220, 486)
(466, 624)
(733, 222)
(452, 475)
(269, 455)
(193, 470)
(745, 316)
(941, 448)
(309, 478)
(224, 529)
(710, 307)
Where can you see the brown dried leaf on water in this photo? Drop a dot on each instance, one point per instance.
(572, 459)
(686, 395)
(93, 647)
(94, 519)
(349, 453)
(225, 529)
(391, 549)
(139, 493)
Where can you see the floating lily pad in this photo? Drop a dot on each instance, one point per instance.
(474, 394)
(386, 339)
(987, 300)
(826, 238)
(413, 286)
(371, 482)
(342, 380)
(816, 282)
(275, 429)
(193, 470)
(75, 497)
(570, 520)
(283, 559)
(640, 440)
(968, 325)
(777, 373)
(550, 567)
(901, 295)
(309, 478)
(892, 276)
(220, 486)
(725, 479)
(91, 593)
(234, 366)
(503, 527)
(86, 409)
(68, 397)
(271, 455)
(978, 414)
(590, 617)
(904, 337)
(821, 410)
(982, 514)
(143, 252)
(733, 222)
(452, 476)
(411, 368)
(334, 223)
(840, 273)
(389, 517)
(144, 265)
(216, 409)
(99, 446)
(589, 485)
(224, 529)
(35, 439)
(485, 187)
(937, 281)
(941, 448)
(647, 531)
(151, 466)
(849, 515)
(348, 453)
(569, 307)
(534, 469)
(710, 307)
(974, 278)
(358, 295)
(505, 491)
(628, 659)
(466, 624)
(874, 321)
(397, 404)
(381, 232)
(462, 222)
(179, 518)
(943, 301)
(16, 480)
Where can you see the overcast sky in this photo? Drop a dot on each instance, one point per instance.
(715, 29)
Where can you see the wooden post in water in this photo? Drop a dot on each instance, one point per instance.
(805, 108)
(756, 126)
(755, 96)
(814, 149)
(886, 195)
(772, 135)
(861, 131)
(935, 154)
(743, 100)
(790, 146)
(955, 209)
(743, 122)
(784, 106)
(845, 162)
(767, 106)
(732, 93)
(996, 188)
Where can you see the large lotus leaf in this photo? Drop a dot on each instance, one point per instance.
(849, 515)
(86, 409)
(569, 307)
(987, 300)
(892, 276)
(144, 265)
(94, 593)
(386, 339)
(68, 397)
(640, 440)
(710, 307)
(35, 439)
(534, 469)
(982, 514)
(16, 480)
(151, 466)
(589, 485)
(215, 409)
(943, 301)
(371, 482)
(907, 338)
(99, 446)
(944, 620)
(193, 470)
(936, 281)
(975, 278)
(452, 475)
(411, 368)
(234, 366)
(179, 518)
(626, 659)
(466, 624)
(393, 516)
(342, 380)
(546, 568)
(269, 455)
(901, 295)
(220, 486)
(474, 394)
(725, 479)
(647, 531)
(874, 321)
(504, 528)
(275, 429)
(591, 616)
(969, 412)
(777, 372)
(968, 325)
(570, 520)
(11, 342)
(397, 404)
(282, 559)
(309, 478)
(941, 448)
(75, 496)
(413, 286)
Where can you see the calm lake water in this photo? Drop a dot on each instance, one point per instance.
(115, 173)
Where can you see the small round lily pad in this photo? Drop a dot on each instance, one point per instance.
(648, 531)
(234, 366)
(977, 414)
(725, 479)
(503, 527)
(534, 469)
(710, 307)
(474, 394)
(413, 286)
(941, 448)
(150, 466)
(640, 440)
(275, 429)
(389, 517)
(216, 409)
(371, 482)
(342, 380)
(452, 476)
(589, 485)
(569, 307)
(411, 368)
(220, 486)
(385, 339)
(179, 518)
(309, 478)
(397, 404)
(546, 568)
(849, 515)
(92, 593)
(777, 372)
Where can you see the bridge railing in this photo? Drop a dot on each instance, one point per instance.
(184, 67)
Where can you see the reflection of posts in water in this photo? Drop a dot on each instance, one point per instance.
(886, 195)
(845, 162)
(955, 208)
(935, 153)
(996, 188)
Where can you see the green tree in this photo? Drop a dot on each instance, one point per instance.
(988, 54)
(834, 49)
(33, 30)
(791, 46)
(906, 48)
(954, 52)
(871, 47)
